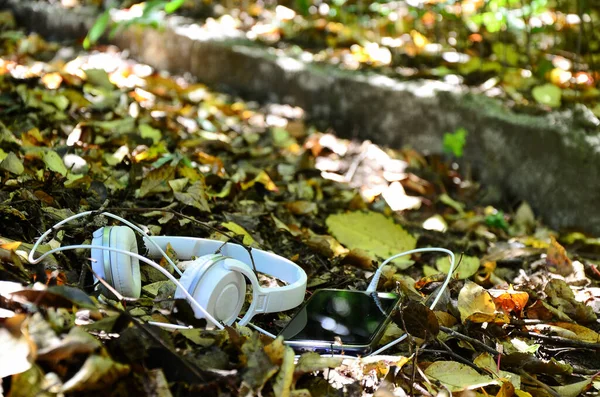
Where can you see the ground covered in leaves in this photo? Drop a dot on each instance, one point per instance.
(536, 56)
(96, 131)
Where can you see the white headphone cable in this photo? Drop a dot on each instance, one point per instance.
(373, 285)
(82, 214)
(154, 265)
(177, 326)
(139, 257)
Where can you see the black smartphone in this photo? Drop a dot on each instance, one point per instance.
(340, 322)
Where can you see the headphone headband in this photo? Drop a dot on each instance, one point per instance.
(270, 299)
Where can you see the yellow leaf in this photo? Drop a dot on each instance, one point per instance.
(240, 231)
(285, 377)
(473, 300)
(371, 232)
(580, 332)
(10, 246)
(262, 178)
(419, 40)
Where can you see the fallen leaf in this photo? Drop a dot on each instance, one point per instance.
(276, 350)
(195, 196)
(311, 362)
(77, 341)
(54, 162)
(147, 131)
(487, 362)
(579, 332)
(285, 376)
(420, 321)
(15, 347)
(372, 232)
(156, 181)
(557, 259)
(12, 164)
(240, 231)
(510, 300)
(259, 366)
(574, 389)
(10, 246)
(395, 196)
(302, 207)
(473, 299)
(465, 268)
(506, 390)
(547, 94)
(97, 372)
(457, 377)
(561, 296)
(262, 178)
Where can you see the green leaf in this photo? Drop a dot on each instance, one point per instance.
(496, 220)
(75, 295)
(148, 132)
(506, 53)
(456, 376)
(173, 6)
(454, 143)
(97, 372)
(372, 232)
(97, 29)
(303, 6)
(467, 267)
(547, 94)
(54, 162)
(239, 231)
(12, 164)
(574, 389)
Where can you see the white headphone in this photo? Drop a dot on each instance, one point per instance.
(214, 283)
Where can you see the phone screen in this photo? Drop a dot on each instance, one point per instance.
(331, 316)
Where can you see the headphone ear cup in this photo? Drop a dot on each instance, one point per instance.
(120, 270)
(98, 255)
(220, 291)
(125, 268)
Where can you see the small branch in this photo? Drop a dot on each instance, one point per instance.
(416, 386)
(459, 358)
(560, 340)
(541, 384)
(470, 340)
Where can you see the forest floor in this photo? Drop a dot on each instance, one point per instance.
(535, 58)
(96, 131)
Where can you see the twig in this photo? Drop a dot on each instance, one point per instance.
(414, 371)
(416, 386)
(560, 340)
(106, 285)
(470, 340)
(459, 358)
(541, 384)
(354, 166)
(525, 321)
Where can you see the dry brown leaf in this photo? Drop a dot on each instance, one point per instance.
(557, 259)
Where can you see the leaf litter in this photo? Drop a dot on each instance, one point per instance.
(97, 130)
